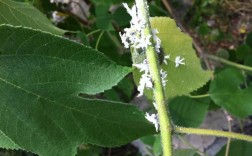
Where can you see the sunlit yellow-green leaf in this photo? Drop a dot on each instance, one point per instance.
(184, 78)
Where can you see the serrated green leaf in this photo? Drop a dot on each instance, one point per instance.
(6, 142)
(186, 78)
(188, 112)
(24, 14)
(237, 148)
(41, 76)
(53, 62)
(225, 90)
(56, 128)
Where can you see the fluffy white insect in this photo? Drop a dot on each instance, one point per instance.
(153, 118)
(179, 61)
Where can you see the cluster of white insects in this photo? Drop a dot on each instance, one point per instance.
(136, 38)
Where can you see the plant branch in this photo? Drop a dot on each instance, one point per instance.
(227, 62)
(151, 55)
(217, 133)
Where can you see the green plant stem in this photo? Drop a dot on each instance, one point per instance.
(151, 55)
(98, 40)
(199, 96)
(95, 31)
(217, 133)
(230, 63)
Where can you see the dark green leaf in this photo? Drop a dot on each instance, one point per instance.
(127, 87)
(6, 142)
(55, 128)
(103, 17)
(157, 146)
(121, 17)
(111, 95)
(226, 91)
(53, 62)
(41, 76)
(83, 37)
(249, 40)
(152, 145)
(24, 14)
(247, 60)
(237, 148)
(188, 112)
(108, 46)
(243, 51)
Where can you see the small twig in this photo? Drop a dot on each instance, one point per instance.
(95, 31)
(230, 63)
(208, 132)
(229, 119)
(199, 96)
(98, 40)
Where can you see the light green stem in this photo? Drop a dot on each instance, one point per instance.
(95, 31)
(224, 61)
(199, 96)
(98, 40)
(209, 132)
(151, 55)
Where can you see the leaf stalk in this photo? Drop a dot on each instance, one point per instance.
(208, 132)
